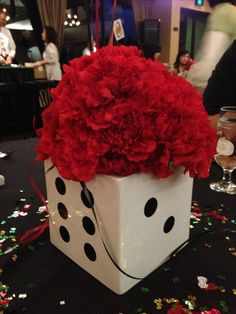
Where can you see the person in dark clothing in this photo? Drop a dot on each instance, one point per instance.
(221, 87)
(152, 51)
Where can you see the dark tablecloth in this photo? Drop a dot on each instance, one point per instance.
(39, 279)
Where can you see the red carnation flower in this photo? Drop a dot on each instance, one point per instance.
(117, 113)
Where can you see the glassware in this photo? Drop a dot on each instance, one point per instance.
(226, 149)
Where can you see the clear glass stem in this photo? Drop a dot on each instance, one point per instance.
(227, 175)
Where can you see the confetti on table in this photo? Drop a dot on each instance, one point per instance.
(139, 310)
(232, 251)
(175, 279)
(144, 290)
(224, 306)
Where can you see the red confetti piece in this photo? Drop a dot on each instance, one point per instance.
(197, 214)
(216, 216)
(26, 206)
(211, 286)
(177, 309)
(4, 301)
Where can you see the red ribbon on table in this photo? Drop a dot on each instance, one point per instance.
(34, 233)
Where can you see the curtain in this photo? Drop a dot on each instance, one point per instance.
(53, 13)
(142, 10)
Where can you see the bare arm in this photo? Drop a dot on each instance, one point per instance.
(214, 120)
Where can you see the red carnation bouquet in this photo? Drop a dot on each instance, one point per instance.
(116, 113)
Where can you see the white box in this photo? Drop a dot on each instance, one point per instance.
(141, 220)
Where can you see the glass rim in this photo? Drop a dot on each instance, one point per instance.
(228, 108)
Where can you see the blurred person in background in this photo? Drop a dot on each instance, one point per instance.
(7, 53)
(50, 55)
(182, 63)
(152, 51)
(220, 90)
(7, 44)
(219, 34)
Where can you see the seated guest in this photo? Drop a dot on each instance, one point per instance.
(182, 63)
(50, 54)
(7, 44)
(152, 51)
(221, 88)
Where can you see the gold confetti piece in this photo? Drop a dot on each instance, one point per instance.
(170, 300)
(232, 251)
(14, 257)
(234, 291)
(158, 303)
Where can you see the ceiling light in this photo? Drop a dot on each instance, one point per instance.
(71, 20)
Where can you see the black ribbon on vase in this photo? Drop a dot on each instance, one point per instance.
(91, 205)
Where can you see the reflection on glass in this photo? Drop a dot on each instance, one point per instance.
(226, 150)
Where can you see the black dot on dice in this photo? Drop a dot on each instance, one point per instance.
(88, 225)
(60, 186)
(87, 198)
(62, 210)
(90, 252)
(64, 234)
(169, 224)
(150, 207)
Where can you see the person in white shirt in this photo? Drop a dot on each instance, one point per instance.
(219, 34)
(7, 44)
(50, 55)
(7, 52)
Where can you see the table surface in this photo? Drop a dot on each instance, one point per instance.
(39, 279)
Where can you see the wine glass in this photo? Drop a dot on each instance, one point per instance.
(226, 149)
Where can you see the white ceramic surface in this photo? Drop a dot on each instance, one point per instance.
(138, 234)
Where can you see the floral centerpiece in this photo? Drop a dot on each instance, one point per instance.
(116, 113)
(120, 123)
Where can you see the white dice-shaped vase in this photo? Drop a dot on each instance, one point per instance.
(119, 229)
